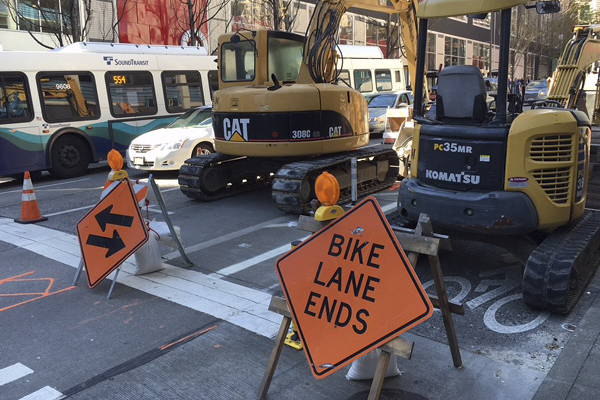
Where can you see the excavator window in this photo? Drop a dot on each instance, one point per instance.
(238, 61)
(285, 57)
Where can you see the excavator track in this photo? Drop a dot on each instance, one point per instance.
(215, 176)
(560, 268)
(293, 185)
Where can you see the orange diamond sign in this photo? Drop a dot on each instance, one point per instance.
(351, 288)
(111, 232)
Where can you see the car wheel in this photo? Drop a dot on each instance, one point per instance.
(202, 149)
(70, 157)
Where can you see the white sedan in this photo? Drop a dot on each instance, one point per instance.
(167, 148)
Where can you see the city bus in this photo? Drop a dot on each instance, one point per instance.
(63, 109)
(364, 69)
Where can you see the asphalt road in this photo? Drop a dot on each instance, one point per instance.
(58, 338)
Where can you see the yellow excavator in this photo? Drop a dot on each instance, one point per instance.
(282, 116)
(514, 179)
(569, 78)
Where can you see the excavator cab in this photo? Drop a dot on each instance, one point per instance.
(511, 178)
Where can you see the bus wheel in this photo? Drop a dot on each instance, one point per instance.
(70, 157)
(202, 149)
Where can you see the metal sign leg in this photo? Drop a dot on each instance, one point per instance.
(112, 285)
(78, 273)
(163, 208)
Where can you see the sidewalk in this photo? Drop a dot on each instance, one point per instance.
(574, 376)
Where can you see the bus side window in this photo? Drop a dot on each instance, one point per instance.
(14, 99)
(68, 96)
(363, 81)
(183, 90)
(131, 93)
(213, 82)
(345, 77)
(383, 79)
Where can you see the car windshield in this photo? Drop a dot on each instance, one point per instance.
(193, 118)
(537, 85)
(381, 100)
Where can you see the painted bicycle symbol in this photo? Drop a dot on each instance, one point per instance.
(512, 280)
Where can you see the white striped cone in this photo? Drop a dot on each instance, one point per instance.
(30, 212)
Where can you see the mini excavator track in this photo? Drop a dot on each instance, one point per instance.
(560, 268)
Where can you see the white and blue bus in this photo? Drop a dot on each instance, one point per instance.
(61, 110)
(364, 69)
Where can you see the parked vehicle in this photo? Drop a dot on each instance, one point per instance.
(63, 109)
(535, 91)
(167, 148)
(383, 106)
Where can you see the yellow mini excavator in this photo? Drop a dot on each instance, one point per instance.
(282, 116)
(514, 179)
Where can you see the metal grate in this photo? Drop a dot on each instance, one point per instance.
(555, 183)
(552, 149)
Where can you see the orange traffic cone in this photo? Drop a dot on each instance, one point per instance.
(30, 212)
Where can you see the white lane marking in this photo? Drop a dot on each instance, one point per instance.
(68, 211)
(235, 268)
(45, 186)
(45, 393)
(13, 372)
(225, 238)
(232, 269)
(237, 304)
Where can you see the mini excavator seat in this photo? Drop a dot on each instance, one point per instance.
(461, 95)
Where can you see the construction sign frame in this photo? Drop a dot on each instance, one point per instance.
(111, 232)
(350, 289)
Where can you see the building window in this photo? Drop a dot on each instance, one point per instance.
(346, 29)
(41, 16)
(183, 90)
(454, 51)
(3, 16)
(249, 14)
(430, 57)
(481, 56)
(485, 23)
(68, 96)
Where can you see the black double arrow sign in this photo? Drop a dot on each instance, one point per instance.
(113, 244)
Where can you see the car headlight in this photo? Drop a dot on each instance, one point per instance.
(377, 119)
(174, 145)
(542, 94)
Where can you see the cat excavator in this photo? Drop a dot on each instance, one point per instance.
(514, 179)
(282, 116)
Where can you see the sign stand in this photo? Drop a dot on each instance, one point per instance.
(161, 202)
(415, 242)
(163, 208)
